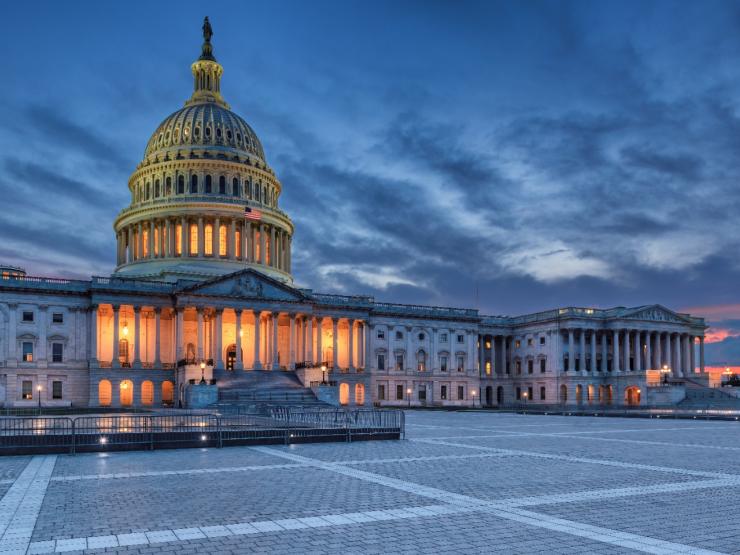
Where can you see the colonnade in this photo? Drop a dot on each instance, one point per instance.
(224, 238)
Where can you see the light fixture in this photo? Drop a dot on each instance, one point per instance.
(124, 385)
(125, 327)
(241, 333)
(103, 440)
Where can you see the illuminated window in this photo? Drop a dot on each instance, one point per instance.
(178, 239)
(104, 393)
(268, 254)
(147, 392)
(359, 394)
(27, 351)
(399, 362)
(193, 239)
(168, 393)
(460, 363)
(208, 247)
(156, 241)
(222, 240)
(145, 239)
(517, 344)
(421, 361)
(238, 244)
(343, 394)
(27, 390)
(488, 367)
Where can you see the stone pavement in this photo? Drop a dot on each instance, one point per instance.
(465, 482)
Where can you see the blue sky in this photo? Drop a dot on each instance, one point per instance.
(507, 156)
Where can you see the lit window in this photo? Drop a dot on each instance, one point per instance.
(156, 241)
(27, 390)
(27, 351)
(178, 239)
(222, 240)
(517, 344)
(421, 361)
(193, 239)
(238, 243)
(399, 362)
(208, 247)
(145, 239)
(257, 246)
(488, 367)
(488, 344)
(460, 363)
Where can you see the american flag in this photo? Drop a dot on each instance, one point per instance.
(252, 214)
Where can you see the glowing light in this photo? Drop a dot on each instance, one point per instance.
(103, 440)
(203, 437)
(125, 328)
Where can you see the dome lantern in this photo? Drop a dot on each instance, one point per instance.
(207, 73)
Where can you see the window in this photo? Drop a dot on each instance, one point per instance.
(57, 318)
(222, 185)
(460, 363)
(209, 184)
(543, 365)
(193, 184)
(399, 362)
(460, 392)
(27, 316)
(178, 239)
(208, 241)
(422, 393)
(530, 393)
(530, 342)
(222, 239)
(193, 239)
(542, 340)
(517, 344)
(56, 389)
(381, 392)
(238, 245)
(27, 351)
(443, 338)
(518, 393)
(180, 184)
(381, 334)
(421, 337)
(399, 335)
(443, 392)
(168, 186)
(235, 187)
(27, 390)
(518, 366)
(56, 352)
(156, 188)
(381, 362)
(443, 363)
(145, 242)
(488, 367)
(421, 361)
(461, 339)
(530, 366)
(542, 393)
(399, 393)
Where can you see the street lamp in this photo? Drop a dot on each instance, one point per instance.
(408, 395)
(525, 395)
(38, 389)
(665, 371)
(473, 393)
(202, 372)
(323, 374)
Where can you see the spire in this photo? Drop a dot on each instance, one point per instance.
(207, 73)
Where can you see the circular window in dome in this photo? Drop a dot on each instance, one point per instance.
(176, 135)
(208, 131)
(218, 132)
(238, 137)
(167, 136)
(186, 132)
(196, 132)
(228, 134)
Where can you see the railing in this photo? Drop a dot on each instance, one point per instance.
(396, 308)
(176, 429)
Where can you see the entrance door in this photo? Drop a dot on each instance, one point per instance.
(500, 395)
(489, 395)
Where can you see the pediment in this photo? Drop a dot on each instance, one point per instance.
(246, 284)
(654, 313)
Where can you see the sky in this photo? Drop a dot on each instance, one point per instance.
(506, 156)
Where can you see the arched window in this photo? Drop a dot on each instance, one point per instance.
(264, 195)
(208, 184)
(257, 245)
(193, 239)
(126, 392)
(123, 352)
(190, 352)
(145, 240)
(222, 185)
(235, 187)
(156, 241)
(343, 394)
(257, 190)
(222, 242)
(168, 390)
(238, 244)
(178, 240)
(156, 188)
(148, 190)
(359, 394)
(168, 186)
(105, 393)
(193, 184)
(579, 393)
(248, 189)
(208, 240)
(421, 361)
(147, 393)
(563, 393)
(180, 184)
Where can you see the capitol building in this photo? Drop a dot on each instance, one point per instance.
(202, 308)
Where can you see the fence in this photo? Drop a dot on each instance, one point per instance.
(167, 431)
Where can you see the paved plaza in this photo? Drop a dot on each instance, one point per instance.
(473, 482)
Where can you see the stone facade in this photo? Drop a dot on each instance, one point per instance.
(203, 289)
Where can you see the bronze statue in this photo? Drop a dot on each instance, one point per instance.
(207, 30)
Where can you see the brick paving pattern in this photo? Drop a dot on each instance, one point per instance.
(465, 482)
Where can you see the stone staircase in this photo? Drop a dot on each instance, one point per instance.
(259, 387)
(701, 396)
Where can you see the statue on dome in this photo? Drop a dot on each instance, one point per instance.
(207, 30)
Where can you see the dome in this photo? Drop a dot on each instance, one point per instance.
(205, 125)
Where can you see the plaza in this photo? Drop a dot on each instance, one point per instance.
(459, 482)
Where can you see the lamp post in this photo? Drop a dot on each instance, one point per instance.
(525, 395)
(38, 390)
(408, 395)
(473, 393)
(665, 371)
(323, 374)
(202, 372)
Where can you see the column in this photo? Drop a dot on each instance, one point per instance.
(137, 336)
(219, 332)
(582, 349)
(319, 333)
(239, 364)
(292, 346)
(366, 350)
(140, 241)
(638, 350)
(42, 333)
(257, 364)
(157, 335)
(93, 334)
(263, 243)
(351, 345)
(604, 352)
(274, 345)
(701, 354)
(216, 238)
(409, 348)
(231, 241)
(593, 350)
(615, 352)
(626, 350)
(648, 351)
(179, 333)
(151, 238)
(184, 237)
(273, 249)
(571, 351)
(504, 354)
(309, 344)
(657, 353)
(115, 363)
(335, 342)
(692, 354)
(201, 238)
(200, 355)
(677, 355)
(669, 354)
(685, 359)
